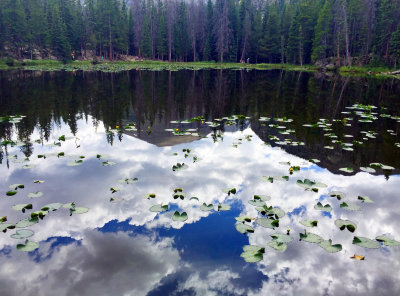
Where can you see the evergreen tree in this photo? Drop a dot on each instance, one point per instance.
(395, 45)
(323, 34)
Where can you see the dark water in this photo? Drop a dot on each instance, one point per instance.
(122, 248)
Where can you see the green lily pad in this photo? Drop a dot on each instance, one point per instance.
(349, 206)
(108, 163)
(343, 224)
(5, 226)
(387, 241)
(313, 160)
(206, 207)
(311, 237)
(28, 246)
(309, 223)
(365, 199)
(347, 170)
(75, 163)
(52, 207)
(128, 180)
(367, 169)
(229, 191)
(194, 198)
(262, 197)
(11, 193)
(35, 194)
(306, 183)
(69, 205)
(16, 186)
(267, 223)
(244, 228)
(22, 207)
(253, 255)
(267, 179)
(278, 246)
(159, 208)
(253, 248)
(179, 167)
(180, 217)
(78, 210)
(366, 242)
(338, 194)
(257, 203)
(38, 181)
(320, 207)
(243, 219)
(180, 195)
(114, 189)
(39, 214)
(281, 238)
(327, 245)
(26, 222)
(223, 207)
(28, 166)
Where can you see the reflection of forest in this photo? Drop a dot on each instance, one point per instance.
(152, 99)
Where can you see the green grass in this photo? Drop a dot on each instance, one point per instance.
(117, 66)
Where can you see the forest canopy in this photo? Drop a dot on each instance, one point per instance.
(341, 32)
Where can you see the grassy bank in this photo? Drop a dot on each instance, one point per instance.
(116, 66)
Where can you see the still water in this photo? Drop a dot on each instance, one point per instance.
(117, 144)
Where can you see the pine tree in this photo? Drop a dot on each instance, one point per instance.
(395, 45)
(162, 32)
(323, 34)
(59, 40)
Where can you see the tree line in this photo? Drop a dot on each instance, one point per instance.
(344, 32)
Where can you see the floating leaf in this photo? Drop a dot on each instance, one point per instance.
(28, 246)
(179, 167)
(229, 191)
(26, 222)
(128, 180)
(320, 207)
(365, 242)
(310, 237)
(358, 257)
(223, 207)
(159, 208)
(278, 246)
(62, 138)
(309, 223)
(243, 219)
(244, 228)
(347, 170)
(267, 179)
(180, 217)
(180, 195)
(108, 163)
(327, 245)
(338, 194)
(149, 195)
(252, 254)
(206, 207)
(349, 206)
(16, 186)
(116, 199)
(281, 238)
(194, 198)
(75, 163)
(262, 197)
(52, 207)
(22, 207)
(38, 182)
(313, 160)
(365, 199)
(28, 166)
(367, 169)
(5, 226)
(387, 241)
(114, 189)
(35, 194)
(343, 224)
(257, 203)
(11, 193)
(78, 210)
(267, 223)
(70, 205)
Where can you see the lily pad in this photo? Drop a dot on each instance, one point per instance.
(267, 223)
(244, 228)
(180, 217)
(75, 163)
(261, 197)
(78, 210)
(22, 207)
(28, 246)
(159, 208)
(229, 191)
(278, 246)
(108, 163)
(5, 226)
(281, 238)
(26, 222)
(253, 254)
(38, 182)
(180, 195)
(387, 241)
(338, 194)
(11, 193)
(309, 223)
(349, 206)
(194, 198)
(16, 186)
(367, 170)
(35, 194)
(206, 207)
(311, 237)
(52, 207)
(179, 167)
(347, 170)
(325, 208)
(243, 219)
(343, 224)
(327, 245)
(223, 207)
(366, 242)
(365, 199)
(128, 180)
(149, 195)
(114, 189)
(257, 203)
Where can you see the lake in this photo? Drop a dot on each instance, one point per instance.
(212, 182)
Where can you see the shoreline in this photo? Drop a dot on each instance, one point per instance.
(118, 66)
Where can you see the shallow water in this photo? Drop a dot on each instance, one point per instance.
(122, 248)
